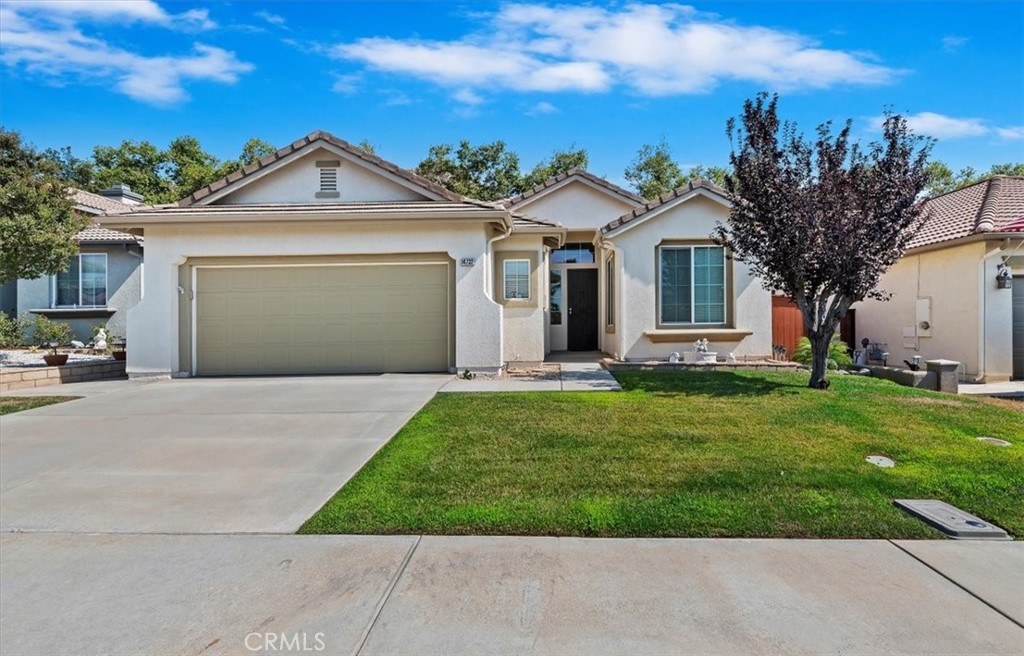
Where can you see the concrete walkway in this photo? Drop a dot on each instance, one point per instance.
(568, 372)
(227, 455)
(1013, 389)
(208, 594)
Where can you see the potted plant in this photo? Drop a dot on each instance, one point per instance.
(117, 345)
(52, 334)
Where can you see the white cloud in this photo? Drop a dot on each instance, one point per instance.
(346, 84)
(59, 50)
(941, 126)
(130, 11)
(543, 107)
(468, 97)
(1012, 133)
(654, 49)
(273, 19)
(953, 43)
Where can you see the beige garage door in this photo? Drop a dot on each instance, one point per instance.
(321, 319)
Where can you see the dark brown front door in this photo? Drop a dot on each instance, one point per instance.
(582, 309)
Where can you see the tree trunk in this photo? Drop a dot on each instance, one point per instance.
(820, 341)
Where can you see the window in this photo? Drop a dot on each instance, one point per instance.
(691, 284)
(83, 284)
(517, 279)
(556, 298)
(609, 276)
(577, 253)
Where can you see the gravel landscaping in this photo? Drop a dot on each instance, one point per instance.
(19, 358)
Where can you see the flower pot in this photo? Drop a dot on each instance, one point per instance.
(56, 360)
(708, 357)
(120, 355)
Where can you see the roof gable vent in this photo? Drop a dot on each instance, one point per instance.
(328, 178)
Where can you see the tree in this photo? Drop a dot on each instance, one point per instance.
(653, 172)
(189, 167)
(941, 178)
(37, 220)
(368, 146)
(138, 164)
(560, 161)
(254, 150)
(72, 170)
(822, 221)
(485, 172)
(713, 174)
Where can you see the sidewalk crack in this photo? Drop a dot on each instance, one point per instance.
(387, 595)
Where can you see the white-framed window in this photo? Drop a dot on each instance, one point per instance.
(609, 276)
(83, 283)
(517, 279)
(691, 285)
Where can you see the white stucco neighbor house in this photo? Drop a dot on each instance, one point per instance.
(99, 285)
(958, 292)
(323, 258)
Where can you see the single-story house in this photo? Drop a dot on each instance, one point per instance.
(100, 283)
(323, 258)
(958, 292)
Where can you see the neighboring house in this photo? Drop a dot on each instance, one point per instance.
(100, 283)
(948, 300)
(323, 258)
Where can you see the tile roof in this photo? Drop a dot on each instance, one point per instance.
(98, 235)
(368, 208)
(987, 206)
(312, 137)
(571, 173)
(686, 189)
(91, 201)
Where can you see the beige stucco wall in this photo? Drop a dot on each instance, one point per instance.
(971, 320)
(299, 181)
(637, 276)
(523, 324)
(576, 205)
(153, 323)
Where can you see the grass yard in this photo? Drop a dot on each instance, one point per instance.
(10, 404)
(688, 454)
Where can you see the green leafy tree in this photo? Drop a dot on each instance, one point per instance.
(822, 220)
(559, 162)
(37, 220)
(368, 146)
(653, 172)
(73, 170)
(254, 150)
(189, 167)
(942, 179)
(488, 172)
(713, 174)
(138, 164)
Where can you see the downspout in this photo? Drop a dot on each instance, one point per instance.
(488, 269)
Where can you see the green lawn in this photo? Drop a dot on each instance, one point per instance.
(9, 404)
(688, 454)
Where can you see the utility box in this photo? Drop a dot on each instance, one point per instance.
(924, 317)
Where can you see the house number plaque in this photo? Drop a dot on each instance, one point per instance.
(467, 261)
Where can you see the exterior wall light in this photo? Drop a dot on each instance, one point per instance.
(1004, 279)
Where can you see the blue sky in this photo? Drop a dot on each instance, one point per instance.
(605, 76)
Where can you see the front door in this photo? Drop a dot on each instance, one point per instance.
(582, 309)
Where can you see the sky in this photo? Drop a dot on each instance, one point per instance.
(608, 77)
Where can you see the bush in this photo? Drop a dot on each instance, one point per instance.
(838, 355)
(49, 332)
(12, 331)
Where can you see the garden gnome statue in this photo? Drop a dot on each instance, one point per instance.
(100, 343)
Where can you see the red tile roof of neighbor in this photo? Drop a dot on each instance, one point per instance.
(992, 205)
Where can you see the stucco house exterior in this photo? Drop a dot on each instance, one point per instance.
(100, 284)
(948, 300)
(323, 258)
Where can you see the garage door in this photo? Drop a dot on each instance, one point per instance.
(321, 319)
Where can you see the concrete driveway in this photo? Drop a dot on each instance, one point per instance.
(255, 455)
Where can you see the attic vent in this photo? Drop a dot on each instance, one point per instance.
(328, 178)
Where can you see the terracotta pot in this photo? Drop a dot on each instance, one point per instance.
(120, 355)
(56, 360)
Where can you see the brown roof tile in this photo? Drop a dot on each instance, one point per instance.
(690, 186)
(92, 201)
(578, 173)
(987, 206)
(96, 234)
(312, 137)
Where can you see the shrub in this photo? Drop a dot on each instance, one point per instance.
(50, 332)
(838, 355)
(12, 331)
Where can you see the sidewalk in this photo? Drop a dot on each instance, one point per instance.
(204, 594)
(565, 373)
(1007, 390)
